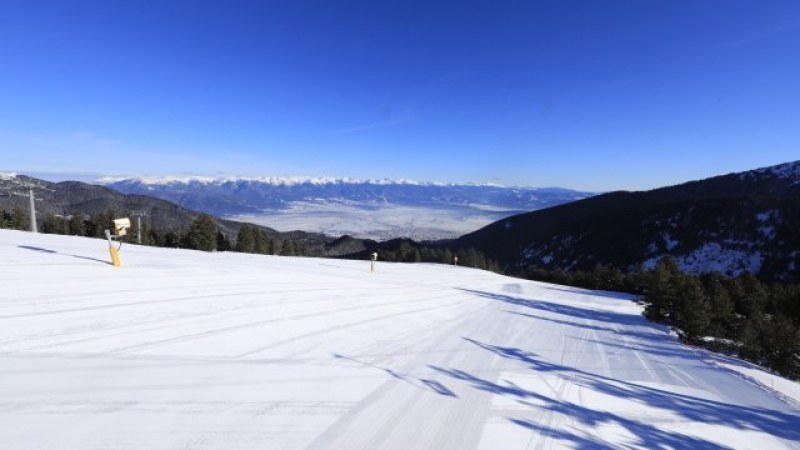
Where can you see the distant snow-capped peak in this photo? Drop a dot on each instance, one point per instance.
(277, 181)
(6, 176)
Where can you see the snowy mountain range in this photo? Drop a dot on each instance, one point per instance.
(74, 197)
(379, 208)
(747, 221)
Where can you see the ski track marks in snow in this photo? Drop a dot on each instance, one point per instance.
(183, 349)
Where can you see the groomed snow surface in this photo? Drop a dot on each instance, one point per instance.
(182, 349)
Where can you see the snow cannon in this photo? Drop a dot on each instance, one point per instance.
(373, 258)
(121, 227)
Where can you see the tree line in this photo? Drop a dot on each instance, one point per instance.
(202, 234)
(404, 250)
(16, 219)
(742, 315)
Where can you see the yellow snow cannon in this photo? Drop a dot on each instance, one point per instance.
(121, 227)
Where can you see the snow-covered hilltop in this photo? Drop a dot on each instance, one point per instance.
(787, 171)
(185, 349)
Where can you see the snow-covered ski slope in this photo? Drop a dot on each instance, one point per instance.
(182, 349)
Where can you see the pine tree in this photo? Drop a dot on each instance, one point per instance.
(662, 295)
(722, 313)
(694, 315)
(260, 245)
(53, 224)
(202, 234)
(223, 244)
(5, 219)
(19, 220)
(749, 295)
(447, 257)
(246, 239)
(91, 226)
(173, 239)
(781, 345)
(288, 248)
(750, 337)
(76, 225)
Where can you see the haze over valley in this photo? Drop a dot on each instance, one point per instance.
(375, 209)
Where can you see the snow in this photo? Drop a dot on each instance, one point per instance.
(767, 215)
(651, 263)
(713, 257)
(789, 170)
(767, 232)
(279, 181)
(669, 242)
(7, 176)
(185, 349)
(787, 390)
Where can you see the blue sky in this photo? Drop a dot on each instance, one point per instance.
(595, 95)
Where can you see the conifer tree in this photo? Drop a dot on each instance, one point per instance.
(173, 239)
(77, 227)
(223, 244)
(5, 219)
(754, 295)
(781, 346)
(694, 314)
(53, 224)
(662, 295)
(447, 257)
(246, 239)
(202, 234)
(288, 248)
(750, 337)
(19, 220)
(722, 312)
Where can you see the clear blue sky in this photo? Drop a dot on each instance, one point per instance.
(595, 95)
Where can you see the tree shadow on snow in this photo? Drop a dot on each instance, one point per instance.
(657, 337)
(567, 310)
(53, 252)
(622, 296)
(652, 349)
(689, 408)
(433, 385)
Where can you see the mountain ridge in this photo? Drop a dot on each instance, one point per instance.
(75, 197)
(376, 209)
(300, 179)
(730, 223)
